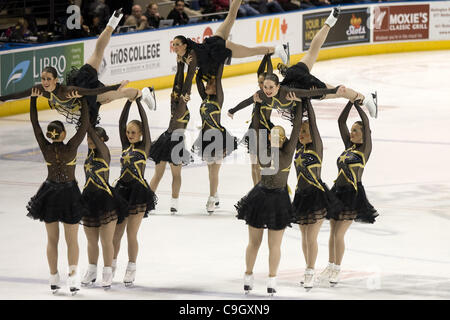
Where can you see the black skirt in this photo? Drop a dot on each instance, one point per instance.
(266, 208)
(298, 76)
(211, 54)
(312, 204)
(140, 198)
(161, 150)
(103, 207)
(57, 202)
(87, 77)
(206, 147)
(355, 205)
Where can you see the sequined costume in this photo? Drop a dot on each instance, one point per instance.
(312, 198)
(214, 141)
(69, 107)
(268, 204)
(102, 200)
(265, 111)
(348, 187)
(167, 142)
(131, 184)
(58, 198)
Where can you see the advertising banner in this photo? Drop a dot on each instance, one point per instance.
(397, 23)
(22, 70)
(440, 20)
(145, 55)
(351, 27)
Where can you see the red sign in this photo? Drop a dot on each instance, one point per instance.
(401, 23)
(199, 39)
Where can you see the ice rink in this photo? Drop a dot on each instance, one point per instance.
(404, 255)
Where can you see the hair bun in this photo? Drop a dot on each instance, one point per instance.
(52, 134)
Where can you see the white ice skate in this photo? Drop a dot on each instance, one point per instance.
(324, 276)
(211, 205)
(73, 281)
(107, 277)
(173, 205)
(248, 283)
(90, 276)
(216, 201)
(55, 282)
(334, 276)
(308, 283)
(282, 51)
(271, 285)
(149, 98)
(115, 19)
(332, 18)
(130, 274)
(371, 103)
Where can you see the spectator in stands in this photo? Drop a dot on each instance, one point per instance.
(153, 16)
(97, 25)
(75, 33)
(266, 6)
(98, 9)
(178, 15)
(137, 18)
(246, 10)
(20, 31)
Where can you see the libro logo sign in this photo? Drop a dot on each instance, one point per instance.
(268, 30)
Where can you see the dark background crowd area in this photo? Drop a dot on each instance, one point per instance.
(31, 21)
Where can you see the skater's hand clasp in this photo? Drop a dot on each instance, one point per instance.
(73, 94)
(35, 92)
(256, 98)
(185, 97)
(292, 97)
(189, 59)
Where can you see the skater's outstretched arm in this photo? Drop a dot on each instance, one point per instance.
(100, 145)
(367, 134)
(187, 85)
(123, 125)
(200, 87)
(42, 141)
(302, 93)
(65, 90)
(76, 140)
(342, 122)
(25, 94)
(290, 144)
(266, 63)
(243, 104)
(146, 138)
(178, 81)
(219, 88)
(313, 130)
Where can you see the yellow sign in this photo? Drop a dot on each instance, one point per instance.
(265, 31)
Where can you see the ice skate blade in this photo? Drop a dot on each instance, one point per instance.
(271, 291)
(106, 288)
(88, 284)
(54, 289)
(118, 13)
(333, 284)
(74, 291)
(129, 284)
